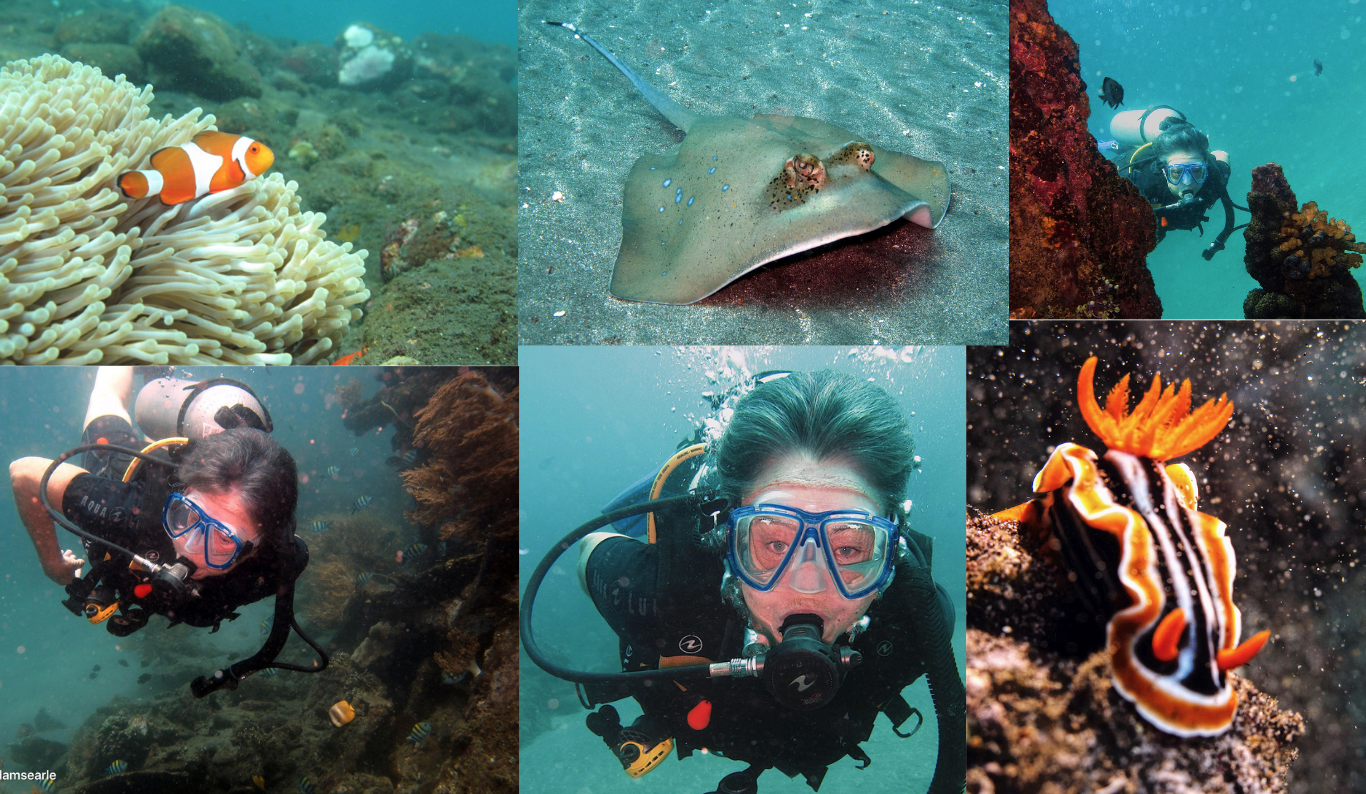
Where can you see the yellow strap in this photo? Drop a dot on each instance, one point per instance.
(1135, 154)
(104, 614)
(683, 454)
(155, 445)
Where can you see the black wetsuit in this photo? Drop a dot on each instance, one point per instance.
(625, 579)
(1152, 183)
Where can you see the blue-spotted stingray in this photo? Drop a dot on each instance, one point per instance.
(739, 193)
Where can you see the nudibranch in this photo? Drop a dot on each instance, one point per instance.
(1127, 525)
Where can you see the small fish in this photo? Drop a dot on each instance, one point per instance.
(1112, 93)
(123, 663)
(116, 768)
(48, 786)
(360, 504)
(354, 452)
(146, 663)
(415, 552)
(349, 357)
(406, 459)
(420, 731)
(269, 672)
(1318, 67)
(332, 471)
(319, 526)
(93, 676)
(451, 680)
(267, 624)
(259, 782)
(364, 577)
(306, 786)
(96, 668)
(144, 678)
(211, 163)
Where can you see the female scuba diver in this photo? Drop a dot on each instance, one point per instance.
(778, 601)
(193, 534)
(1169, 161)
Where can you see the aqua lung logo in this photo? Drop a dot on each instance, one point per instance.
(804, 683)
(884, 648)
(690, 644)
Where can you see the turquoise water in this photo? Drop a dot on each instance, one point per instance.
(47, 653)
(594, 421)
(493, 22)
(1243, 73)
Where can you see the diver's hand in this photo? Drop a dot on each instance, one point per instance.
(67, 569)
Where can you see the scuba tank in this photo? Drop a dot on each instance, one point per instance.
(1133, 128)
(169, 407)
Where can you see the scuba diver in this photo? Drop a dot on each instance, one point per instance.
(1169, 161)
(192, 533)
(769, 597)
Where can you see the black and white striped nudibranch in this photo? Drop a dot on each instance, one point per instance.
(1127, 525)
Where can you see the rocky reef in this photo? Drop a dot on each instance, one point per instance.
(1043, 714)
(1302, 259)
(1079, 233)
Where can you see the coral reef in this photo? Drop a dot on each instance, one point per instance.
(1043, 714)
(372, 58)
(1302, 259)
(196, 51)
(469, 485)
(88, 276)
(1079, 233)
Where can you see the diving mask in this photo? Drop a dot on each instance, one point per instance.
(853, 550)
(1190, 174)
(215, 541)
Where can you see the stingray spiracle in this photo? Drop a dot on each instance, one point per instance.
(805, 169)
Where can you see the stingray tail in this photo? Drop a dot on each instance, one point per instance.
(678, 115)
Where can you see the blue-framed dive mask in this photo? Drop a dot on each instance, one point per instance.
(851, 550)
(1192, 174)
(213, 540)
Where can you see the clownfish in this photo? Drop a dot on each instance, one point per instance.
(1127, 525)
(212, 162)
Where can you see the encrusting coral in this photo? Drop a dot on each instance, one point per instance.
(1302, 259)
(470, 481)
(89, 276)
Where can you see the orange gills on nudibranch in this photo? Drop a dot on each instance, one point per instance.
(210, 163)
(1161, 571)
(739, 193)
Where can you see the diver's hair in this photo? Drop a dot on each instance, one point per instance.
(254, 462)
(1177, 135)
(825, 415)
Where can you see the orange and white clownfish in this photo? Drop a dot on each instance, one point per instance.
(212, 162)
(1126, 523)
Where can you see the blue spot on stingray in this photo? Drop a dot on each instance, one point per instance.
(680, 221)
(724, 188)
(690, 198)
(661, 243)
(678, 196)
(711, 170)
(661, 209)
(713, 158)
(652, 168)
(666, 182)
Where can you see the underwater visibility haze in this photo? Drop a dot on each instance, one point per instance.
(402, 476)
(1266, 81)
(603, 418)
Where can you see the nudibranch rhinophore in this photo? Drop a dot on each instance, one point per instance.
(1127, 525)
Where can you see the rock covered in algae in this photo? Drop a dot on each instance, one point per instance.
(1044, 716)
(1079, 233)
(1302, 259)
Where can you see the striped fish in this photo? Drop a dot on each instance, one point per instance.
(306, 786)
(116, 768)
(332, 471)
(48, 786)
(319, 526)
(355, 451)
(360, 504)
(267, 624)
(1127, 526)
(212, 162)
(269, 672)
(365, 577)
(420, 731)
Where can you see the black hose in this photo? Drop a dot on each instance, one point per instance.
(946, 687)
(534, 583)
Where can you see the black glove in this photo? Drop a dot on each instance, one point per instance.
(238, 416)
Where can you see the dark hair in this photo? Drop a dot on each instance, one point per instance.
(254, 462)
(1177, 135)
(824, 414)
